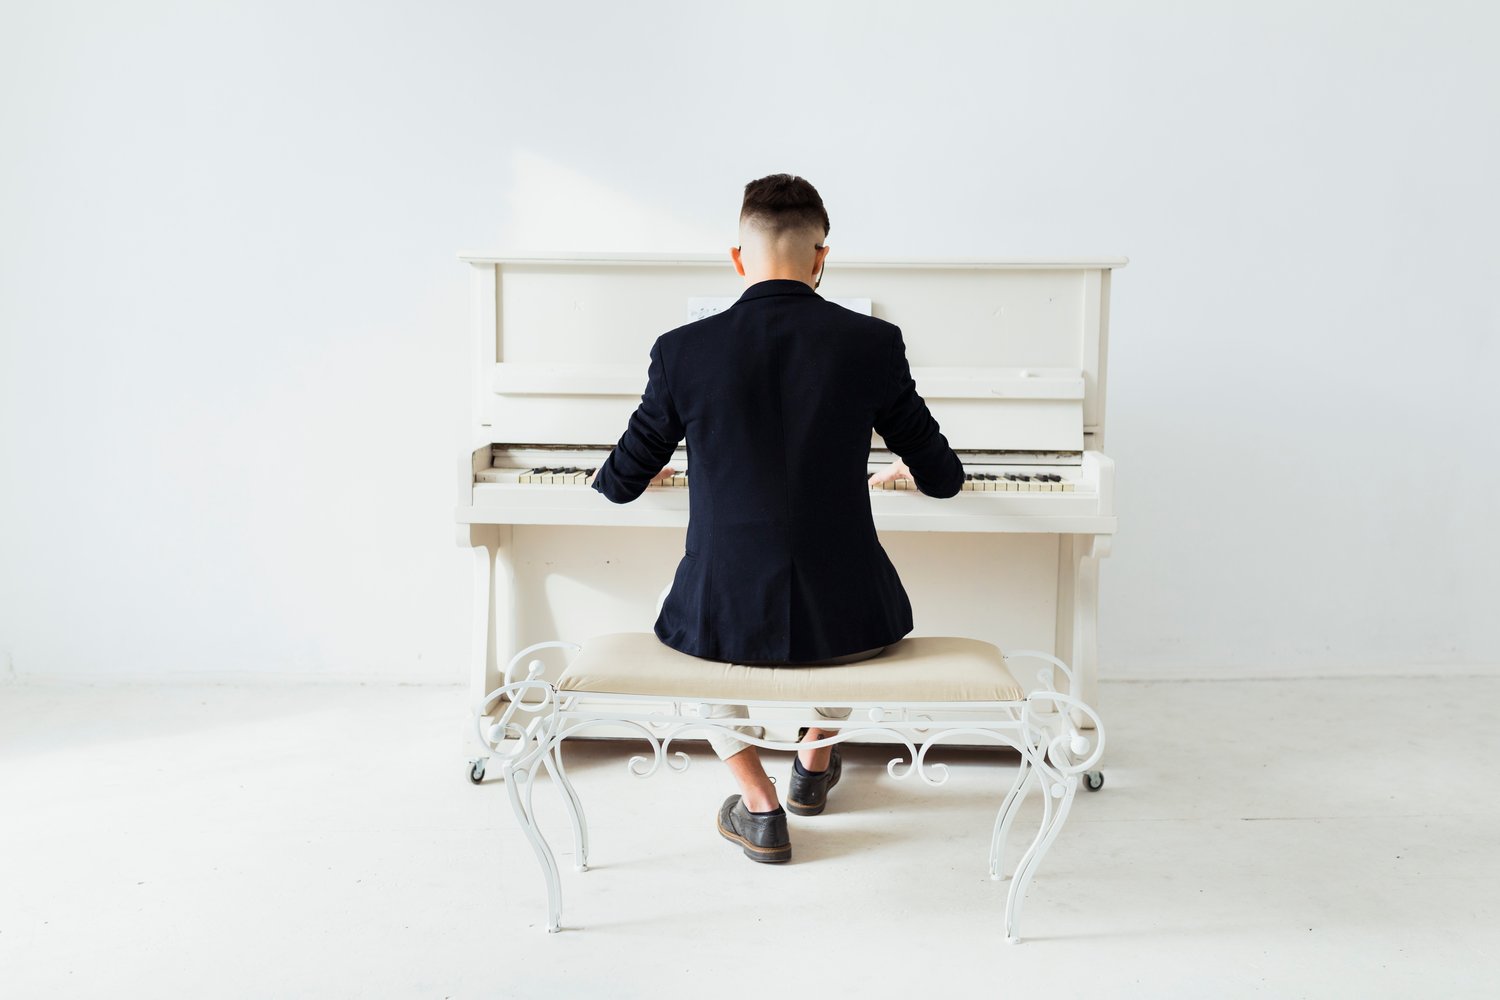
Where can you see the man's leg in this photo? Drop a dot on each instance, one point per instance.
(755, 786)
(816, 760)
(753, 819)
(743, 760)
(815, 772)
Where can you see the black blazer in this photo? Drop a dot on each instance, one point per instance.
(776, 396)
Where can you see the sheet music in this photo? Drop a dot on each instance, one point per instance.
(700, 306)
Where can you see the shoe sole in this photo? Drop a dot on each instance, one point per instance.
(765, 855)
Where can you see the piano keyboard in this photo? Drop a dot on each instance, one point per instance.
(1031, 481)
(997, 482)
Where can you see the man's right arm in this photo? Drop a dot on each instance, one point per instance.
(908, 429)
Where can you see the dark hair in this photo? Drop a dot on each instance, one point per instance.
(782, 202)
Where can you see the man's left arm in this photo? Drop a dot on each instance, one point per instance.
(648, 442)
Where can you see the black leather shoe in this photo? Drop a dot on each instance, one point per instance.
(808, 794)
(764, 837)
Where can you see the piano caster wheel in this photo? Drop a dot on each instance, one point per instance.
(1093, 780)
(476, 771)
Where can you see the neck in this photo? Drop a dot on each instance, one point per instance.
(777, 269)
(777, 274)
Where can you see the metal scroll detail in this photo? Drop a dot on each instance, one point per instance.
(534, 719)
(524, 738)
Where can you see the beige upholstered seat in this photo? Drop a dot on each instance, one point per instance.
(919, 669)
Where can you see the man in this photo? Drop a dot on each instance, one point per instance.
(777, 396)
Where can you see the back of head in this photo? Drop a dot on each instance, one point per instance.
(782, 205)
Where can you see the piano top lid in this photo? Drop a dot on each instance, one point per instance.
(721, 260)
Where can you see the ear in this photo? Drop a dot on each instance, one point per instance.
(819, 259)
(739, 265)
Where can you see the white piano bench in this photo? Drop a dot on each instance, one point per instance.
(906, 696)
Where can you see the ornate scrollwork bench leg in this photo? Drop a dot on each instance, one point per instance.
(520, 777)
(1007, 816)
(1027, 773)
(536, 745)
(1052, 749)
(572, 801)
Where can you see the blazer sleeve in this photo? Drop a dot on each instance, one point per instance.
(905, 424)
(648, 442)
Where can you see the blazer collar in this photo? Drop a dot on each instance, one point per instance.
(777, 286)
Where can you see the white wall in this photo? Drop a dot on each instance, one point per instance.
(231, 320)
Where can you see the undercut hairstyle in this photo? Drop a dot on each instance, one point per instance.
(782, 203)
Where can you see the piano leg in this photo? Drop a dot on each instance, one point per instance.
(1077, 640)
(492, 633)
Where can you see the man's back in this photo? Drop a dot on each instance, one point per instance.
(776, 398)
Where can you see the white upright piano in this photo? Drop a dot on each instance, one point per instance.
(1009, 354)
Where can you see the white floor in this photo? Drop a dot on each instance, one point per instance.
(1315, 838)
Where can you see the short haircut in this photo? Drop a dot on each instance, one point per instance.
(782, 203)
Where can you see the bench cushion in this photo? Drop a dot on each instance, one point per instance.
(916, 669)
